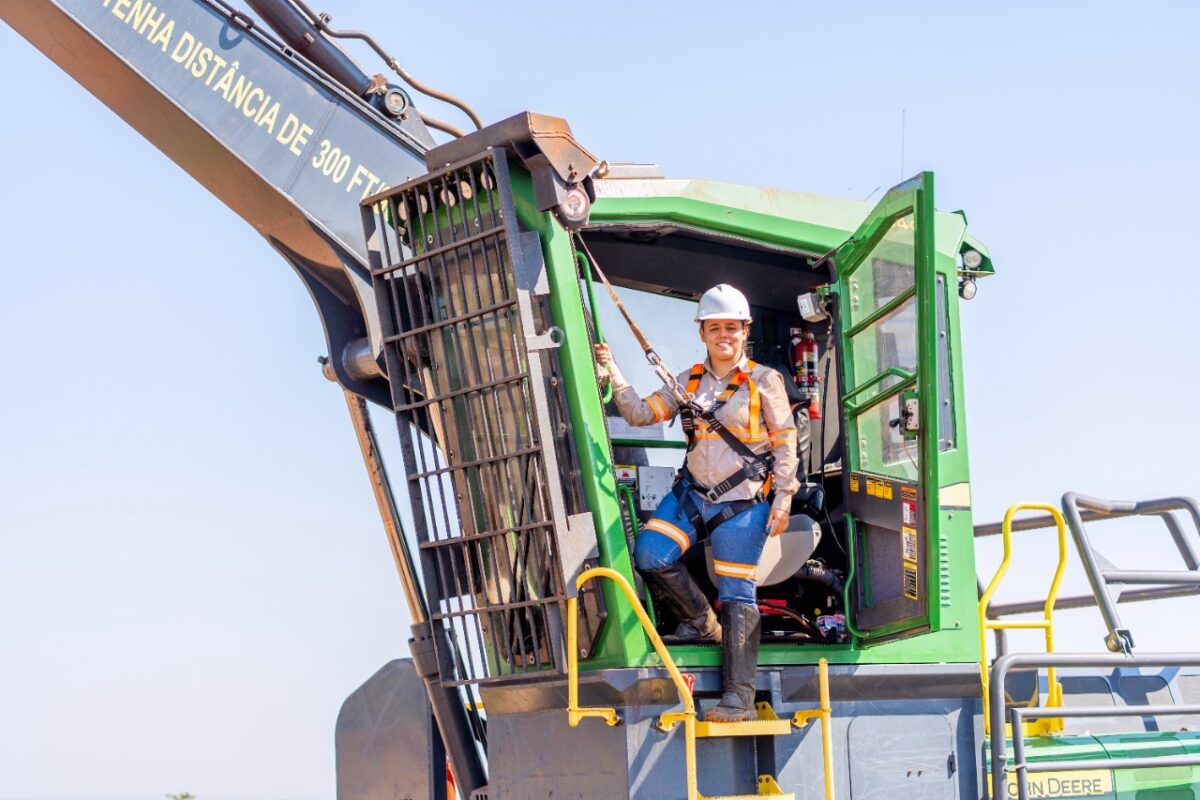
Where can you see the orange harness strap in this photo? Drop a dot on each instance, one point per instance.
(741, 377)
(755, 466)
(755, 402)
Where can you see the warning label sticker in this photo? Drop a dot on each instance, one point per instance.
(910, 512)
(910, 582)
(855, 483)
(908, 538)
(1090, 783)
(909, 493)
(879, 488)
(626, 474)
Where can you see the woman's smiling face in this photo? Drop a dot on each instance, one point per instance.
(725, 339)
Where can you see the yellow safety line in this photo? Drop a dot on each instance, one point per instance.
(1046, 624)
(575, 714)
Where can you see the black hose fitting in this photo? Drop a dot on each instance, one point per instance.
(817, 572)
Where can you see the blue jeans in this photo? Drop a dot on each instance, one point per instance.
(737, 544)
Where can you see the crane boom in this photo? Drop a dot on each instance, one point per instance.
(284, 145)
(289, 147)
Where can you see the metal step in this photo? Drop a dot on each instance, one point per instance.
(767, 724)
(767, 787)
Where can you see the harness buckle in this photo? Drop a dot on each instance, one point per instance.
(758, 468)
(688, 484)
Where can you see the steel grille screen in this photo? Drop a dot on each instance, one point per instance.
(481, 421)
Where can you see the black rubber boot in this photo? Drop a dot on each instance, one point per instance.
(739, 665)
(676, 586)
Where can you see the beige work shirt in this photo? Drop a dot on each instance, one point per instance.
(712, 460)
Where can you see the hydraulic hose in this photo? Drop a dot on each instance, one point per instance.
(445, 127)
(818, 572)
(321, 23)
(298, 33)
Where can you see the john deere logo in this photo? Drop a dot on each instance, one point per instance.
(1084, 783)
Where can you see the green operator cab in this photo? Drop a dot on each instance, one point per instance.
(858, 308)
(521, 474)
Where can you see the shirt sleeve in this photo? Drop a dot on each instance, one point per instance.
(654, 408)
(781, 428)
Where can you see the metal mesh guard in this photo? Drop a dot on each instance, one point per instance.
(455, 314)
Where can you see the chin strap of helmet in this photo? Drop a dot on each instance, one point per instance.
(677, 390)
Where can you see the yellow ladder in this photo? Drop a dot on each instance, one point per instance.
(1046, 624)
(767, 724)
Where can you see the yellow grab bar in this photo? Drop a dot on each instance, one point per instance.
(575, 714)
(667, 720)
(1046, 624)
(824, 713)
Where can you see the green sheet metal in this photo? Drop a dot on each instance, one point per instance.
(1160, 783)
(809, 224)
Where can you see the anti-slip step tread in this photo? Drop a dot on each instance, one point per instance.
(767, 724)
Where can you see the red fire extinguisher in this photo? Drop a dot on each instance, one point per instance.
(805, 357)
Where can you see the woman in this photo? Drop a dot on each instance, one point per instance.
(741, 446)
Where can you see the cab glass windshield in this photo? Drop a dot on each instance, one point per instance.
(669, 324)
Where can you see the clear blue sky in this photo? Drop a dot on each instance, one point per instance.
(192, 573)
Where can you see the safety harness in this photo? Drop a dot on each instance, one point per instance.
(755, 466)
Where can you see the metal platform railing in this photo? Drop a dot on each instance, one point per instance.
(1020, 768)
(1046, 624)
(1102, 576)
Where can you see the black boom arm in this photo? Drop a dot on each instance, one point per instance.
(290, 147)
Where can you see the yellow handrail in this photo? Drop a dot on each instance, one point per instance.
(575, 714)
(1046, 624)
(824, 713)
(668, 719)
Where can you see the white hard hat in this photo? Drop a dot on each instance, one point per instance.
(723, 302)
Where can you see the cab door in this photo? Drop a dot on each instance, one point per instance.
(897, 409)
